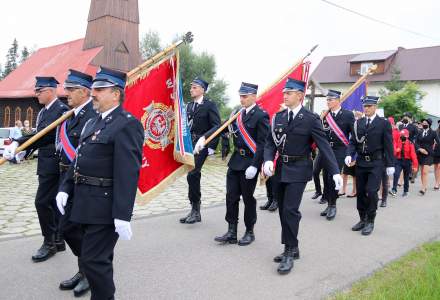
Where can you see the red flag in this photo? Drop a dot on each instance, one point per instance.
(151, 97)
(272, 98)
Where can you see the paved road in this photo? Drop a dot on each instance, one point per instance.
(167, 260)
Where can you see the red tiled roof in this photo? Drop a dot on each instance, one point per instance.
(51, 61)
(414, 64)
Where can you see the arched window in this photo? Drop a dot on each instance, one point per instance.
(7, 117)
(17, 114)
(30, 115)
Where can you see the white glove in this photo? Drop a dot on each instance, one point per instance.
(20, 156)
(199, 145)
(61, 201)
(123, 228)
(390, 171)
(347, 160)
(211, 151)
(9, 151)
(337, 178)
(250, 173)
(268, 168)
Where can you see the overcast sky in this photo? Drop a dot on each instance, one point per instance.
(253, 41)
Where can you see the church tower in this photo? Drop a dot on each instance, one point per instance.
(114, 25)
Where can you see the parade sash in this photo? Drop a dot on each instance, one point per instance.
(339, 133)
(245, 135)
(67, 146)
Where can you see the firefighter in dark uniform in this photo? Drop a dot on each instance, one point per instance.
(103, 180)
(77, 88)
(372, 141)
(249, 133)
(292, 132)
(47, 168)
(203, 115)
(338, 124)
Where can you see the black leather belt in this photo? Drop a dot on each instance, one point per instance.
(292, 158)
(244, 152)
(372, 156)
(95, 181)
(336, 145)
(64, 167)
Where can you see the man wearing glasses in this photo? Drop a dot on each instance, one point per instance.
(47, 168)
(372, 141)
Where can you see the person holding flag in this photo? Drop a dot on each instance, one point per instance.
(203, 115)
(292, 131)
(372, 141)
(77, 88)
(102, 180)
(338, 125)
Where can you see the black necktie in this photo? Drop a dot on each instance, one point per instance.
(40, 115)
(333, 115)
(368, 123)
(290, 117)
(195, 106)
(243, 112)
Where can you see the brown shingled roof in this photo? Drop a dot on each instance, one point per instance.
(414, 64)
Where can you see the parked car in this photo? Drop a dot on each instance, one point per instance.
(5, 139)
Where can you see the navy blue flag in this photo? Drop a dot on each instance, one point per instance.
(353, 102)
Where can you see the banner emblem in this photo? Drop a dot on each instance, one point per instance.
(158, 122)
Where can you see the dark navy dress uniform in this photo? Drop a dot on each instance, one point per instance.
(72, 231)
(292, 139)
(104, 180)
(201, 118)
(373, 143)
(344, 120)
(47, 167)
(425, 139)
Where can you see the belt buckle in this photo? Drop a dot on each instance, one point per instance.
(285, 158)
(367, 158)
(242, 152)
(331, 144)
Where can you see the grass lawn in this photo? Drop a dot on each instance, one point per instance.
(414, 276)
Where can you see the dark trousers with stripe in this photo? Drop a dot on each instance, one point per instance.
(368, 180)
(329, 184)
(45, 205)
(317, 168)
(195, 175)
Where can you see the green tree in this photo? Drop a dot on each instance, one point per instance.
(395, 84)
(11, 59)
(407, 99)
(193, 64)
(24, 54)
(150, 44)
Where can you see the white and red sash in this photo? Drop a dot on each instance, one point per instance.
(245, 135)
(339, 133)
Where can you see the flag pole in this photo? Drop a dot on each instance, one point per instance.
(235, 116)
(41, 133)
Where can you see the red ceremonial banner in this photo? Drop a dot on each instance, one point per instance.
(151, 100)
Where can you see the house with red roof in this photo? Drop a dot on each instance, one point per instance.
(112, 40)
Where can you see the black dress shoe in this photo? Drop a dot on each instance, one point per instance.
(405, 194)
(383, 203)
(273, 206)
(230, 236)
(194, 217)
(324, 212)
(322, 201)
(279, 258)
(331, 213)
(81, 288)
(46, 251)
(247, 238)
(316, 195)
(266, 205)
(359, 226)
(71, 283)
(183, 220)
(286, 264)
(368, 229)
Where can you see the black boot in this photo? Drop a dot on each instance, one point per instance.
(383, 203)
(194, 215)
(324, 212)
(266, 205)
(331, 213)
(273, 206)
(322, 201)
(46, 251)
(59, 242)
(316, 195)
(369, 225)
(360, 225)
(286, 263)
(81, 288)
(247, 238)
(279, 258)
(71, 283)
(230, 236)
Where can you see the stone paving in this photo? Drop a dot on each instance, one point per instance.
(18, 185)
